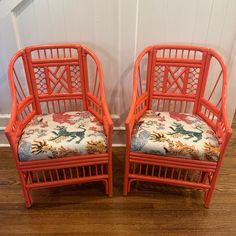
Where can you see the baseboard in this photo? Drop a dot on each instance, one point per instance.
(4, 145)
(3, 138)
(4, 119)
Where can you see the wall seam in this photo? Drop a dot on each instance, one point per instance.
(136, 30)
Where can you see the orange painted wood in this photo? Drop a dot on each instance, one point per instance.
(141, 166)
(50, 59)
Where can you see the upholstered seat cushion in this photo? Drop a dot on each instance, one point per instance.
(175, 134)
(62, 134)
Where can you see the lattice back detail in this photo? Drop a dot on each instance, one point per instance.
(40, 79)
(159, 78)
(193, 79)
(75, 78)
(176, 79)
(57, 79)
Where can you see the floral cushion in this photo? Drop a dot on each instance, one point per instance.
(62, 134)
(175, 134)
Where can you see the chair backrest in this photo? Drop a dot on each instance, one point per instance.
(54, 78)
(179, 78)
(176, 77)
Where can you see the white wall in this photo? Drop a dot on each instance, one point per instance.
(117, 30)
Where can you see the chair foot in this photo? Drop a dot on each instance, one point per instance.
(108, 188)
(105, 182)
(207, 206)
(125, 189)
(28, 204)
(28, 198)
(208, 197)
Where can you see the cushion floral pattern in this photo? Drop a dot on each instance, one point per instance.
(62, 134)
(175, 134)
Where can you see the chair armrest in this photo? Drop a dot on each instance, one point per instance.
(23, 106)
(130, 121)
(11, 129)
(224, 132)
(107, 121)
(99, 101)
(139, 97)
(20, 117)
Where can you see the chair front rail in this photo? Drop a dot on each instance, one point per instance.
(168, 181)
(63, 182)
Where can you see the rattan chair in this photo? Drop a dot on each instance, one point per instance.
(177, 128)
(60, 128)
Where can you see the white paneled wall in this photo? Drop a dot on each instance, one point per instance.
(92, 23)
(117, 30)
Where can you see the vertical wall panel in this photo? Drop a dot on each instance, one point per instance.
(152, 21)
(57, 20)
(26, 23)
(105, 44)
(228, 32)
(216, 23)
(7, 48)
(201, 24)
(42, 19)
(127, 42)
(232, 82)
(79, 20)
(181, 18)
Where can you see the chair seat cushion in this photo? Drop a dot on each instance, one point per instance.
(62, 134)
(175, 134)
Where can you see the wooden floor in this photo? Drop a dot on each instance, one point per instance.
(150, 209)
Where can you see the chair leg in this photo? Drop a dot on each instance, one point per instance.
(105, 181)
(125, 187)
(28, 198)
(110, 178)
(129, 185)
(208, 197)
(26, 192)
(208, 194)
(126, 176)
(110, 186)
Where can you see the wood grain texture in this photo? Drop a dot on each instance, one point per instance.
(150, 209)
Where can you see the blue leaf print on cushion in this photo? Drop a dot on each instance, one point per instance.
(24, 151)
(138, 142)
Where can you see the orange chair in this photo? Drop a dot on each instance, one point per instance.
(60, 129)
(177, 128)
